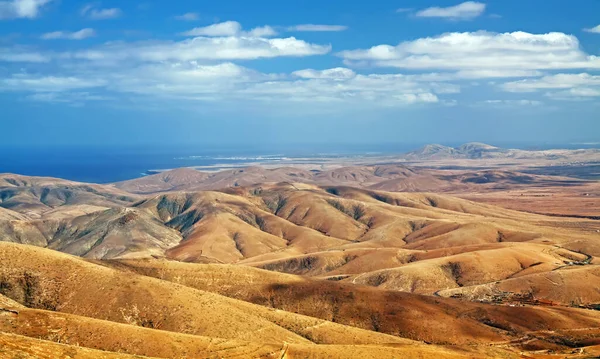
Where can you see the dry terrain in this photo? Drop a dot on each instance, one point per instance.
(361, 261)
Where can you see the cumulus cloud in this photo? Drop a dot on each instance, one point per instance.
(490, 74)
(15, 9)
(317, 28)
(331, 85)
(20, 54)
(465, 11)
(227, 28)
(480, 51)
(230, 28)
(417, 98)
(338, 73)
(262, 31)
(193, 81)
(77, 35)
(76, 99)
(94, 12)
(188, 16)
(575, 94)
(558, 81)
(512, 103)
(188, 80)
(206, 48)
(559, 86)
(224, 41)
(36, 83)
(595, 30)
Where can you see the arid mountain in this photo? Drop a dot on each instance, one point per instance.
(97, 307)
(431, 319)
(477, 150)
(111, 233)
(396, 178)
(411, 242)
(286, 269)
(36, 196)
(507, 188)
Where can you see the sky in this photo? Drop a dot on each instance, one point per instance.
(111, 73)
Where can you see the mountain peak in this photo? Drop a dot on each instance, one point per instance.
(475, 146)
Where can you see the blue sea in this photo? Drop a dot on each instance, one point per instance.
(112, 164)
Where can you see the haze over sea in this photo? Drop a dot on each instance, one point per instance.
(112, 164)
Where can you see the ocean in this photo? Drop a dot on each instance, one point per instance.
(112, 164)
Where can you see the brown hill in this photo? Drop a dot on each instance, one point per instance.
(391, 177)
(8, 215)
(299, 266)
(73, 289)
(476, 150)
(432, 319)
(43, 279)
(582, 283)
(499, 186)
(112, 233)
(187, 179)
(304, 229)
(34, 196)
(16, 346)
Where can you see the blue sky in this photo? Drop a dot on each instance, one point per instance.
(303, 72)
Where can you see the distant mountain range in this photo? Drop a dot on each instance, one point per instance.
(476, 150)
(378, 177)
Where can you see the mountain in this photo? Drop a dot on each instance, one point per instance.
(390, 177)
(327, 266)
(508, 188)
(36, 196)
(98, 307)
(476, 150)
(433, 151)
(412, 242)
(114, 308)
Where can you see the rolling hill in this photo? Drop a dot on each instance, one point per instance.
(287, 268)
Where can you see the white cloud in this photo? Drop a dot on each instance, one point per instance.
(585, 92)
(77, 35)
(471, 51)
(404, 9)
(70, 98)
(14, 9)
(227, 28)
(192, 81)
(595, 30)
(575, 94)
(558, 81)
(340, 85)
(189, 16)
(25, 82)
(262, 31)
(187, 79)
(512, 103)
(93, 12)
(465, 11)
(338, 73)
(574, 87)
(230, 28)
(317, 28)
(483, 74)
(417, 98)
(207, 48)
(17, 54)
